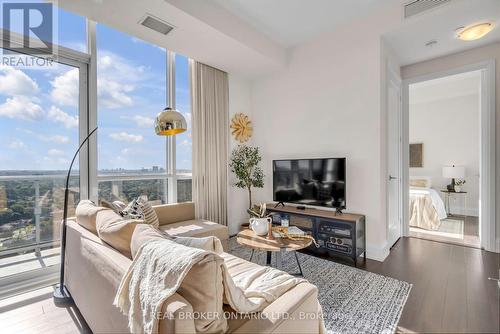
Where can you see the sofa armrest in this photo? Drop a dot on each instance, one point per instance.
(173, 318)
(296, 311)
(173, 213)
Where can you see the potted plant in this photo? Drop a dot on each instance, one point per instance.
(244, 163)
(458, 185)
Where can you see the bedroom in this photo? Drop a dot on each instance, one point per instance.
(444, 134)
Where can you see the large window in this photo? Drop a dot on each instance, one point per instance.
(41, 115)
(46, 113)
(132, 90)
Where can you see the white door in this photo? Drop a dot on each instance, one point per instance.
(394, 186)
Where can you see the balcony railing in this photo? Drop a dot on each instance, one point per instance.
(31, 209)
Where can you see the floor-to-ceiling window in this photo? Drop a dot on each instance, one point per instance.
(46, 113)
(132, 90)
(42, 112)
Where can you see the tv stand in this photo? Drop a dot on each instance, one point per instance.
(337, 233)
(279, 203)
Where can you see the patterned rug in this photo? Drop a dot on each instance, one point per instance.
(353, 300)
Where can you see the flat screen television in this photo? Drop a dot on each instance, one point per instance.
(317, 182)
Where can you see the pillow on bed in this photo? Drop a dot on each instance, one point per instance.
(419, 183)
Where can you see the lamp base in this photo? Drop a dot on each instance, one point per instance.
(62, 298)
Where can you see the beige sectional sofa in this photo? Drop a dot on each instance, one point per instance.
(94, 271)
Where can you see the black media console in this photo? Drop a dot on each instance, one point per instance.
(338, 234)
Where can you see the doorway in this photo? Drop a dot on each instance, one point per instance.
(448, 137)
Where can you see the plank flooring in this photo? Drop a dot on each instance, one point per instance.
(451, 293)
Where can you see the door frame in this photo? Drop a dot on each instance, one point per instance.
(394, 79)
(487, 210)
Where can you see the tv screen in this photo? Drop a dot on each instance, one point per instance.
(319, 182)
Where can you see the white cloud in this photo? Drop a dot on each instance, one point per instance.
(56, 161)
(21, 107)
(186, 142)
(16, 82)
(55, 152)
(56, 139)
(123, 136)
(141, 121)
(17, 144)
(112, 94)
(57, 115)
(65, 88)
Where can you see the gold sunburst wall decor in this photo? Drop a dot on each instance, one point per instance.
(242, 127)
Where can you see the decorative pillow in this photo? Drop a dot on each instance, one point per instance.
(116, 231)
(141, 209)
(420, 183)
(86, 213)
(116, 206)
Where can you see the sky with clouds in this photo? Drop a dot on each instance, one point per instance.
(39, 108)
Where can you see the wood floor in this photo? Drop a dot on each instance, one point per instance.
(451, 293)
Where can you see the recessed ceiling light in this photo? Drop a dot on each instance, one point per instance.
(476, 31)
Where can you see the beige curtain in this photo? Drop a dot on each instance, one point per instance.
(210, 113)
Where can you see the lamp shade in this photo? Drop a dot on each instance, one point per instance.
(453, 172)
(170, 122)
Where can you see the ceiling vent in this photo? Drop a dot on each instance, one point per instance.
(156, 24)
(419, 6)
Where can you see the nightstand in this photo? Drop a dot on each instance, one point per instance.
(447, 201)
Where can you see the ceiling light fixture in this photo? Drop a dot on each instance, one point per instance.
(476, 31)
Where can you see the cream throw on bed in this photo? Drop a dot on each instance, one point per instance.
(160, 267)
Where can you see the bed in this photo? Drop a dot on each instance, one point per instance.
(426, 206)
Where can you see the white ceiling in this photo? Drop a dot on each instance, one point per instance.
(292, 22)
(408, 40)
(445, 88)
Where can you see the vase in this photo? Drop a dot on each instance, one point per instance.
(260, 225)
(458, 189)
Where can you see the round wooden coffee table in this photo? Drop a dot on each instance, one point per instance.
(248, 238)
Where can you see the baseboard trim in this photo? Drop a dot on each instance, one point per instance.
(377, 253)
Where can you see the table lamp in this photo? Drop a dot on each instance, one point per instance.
(453, 172)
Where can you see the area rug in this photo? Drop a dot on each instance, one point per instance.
(449, 228)
(353, 300)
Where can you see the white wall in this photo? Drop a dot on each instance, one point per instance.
(239, 102)
(473, 56)
(328, 103)
(449, 131)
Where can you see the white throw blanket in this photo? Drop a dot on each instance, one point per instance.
(160, 267)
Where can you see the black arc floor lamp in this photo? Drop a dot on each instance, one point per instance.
(61, 294)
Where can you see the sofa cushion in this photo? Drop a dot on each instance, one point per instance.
(176, 212)
(86, 214)
(196, 228)
(142, 234)
(202, 287)
(116, 231)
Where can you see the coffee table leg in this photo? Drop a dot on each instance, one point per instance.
(298, 263)
(268, 258)
(251, 256)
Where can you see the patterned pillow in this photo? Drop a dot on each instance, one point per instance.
(140, 208)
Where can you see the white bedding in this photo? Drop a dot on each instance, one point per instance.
(437, 202)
